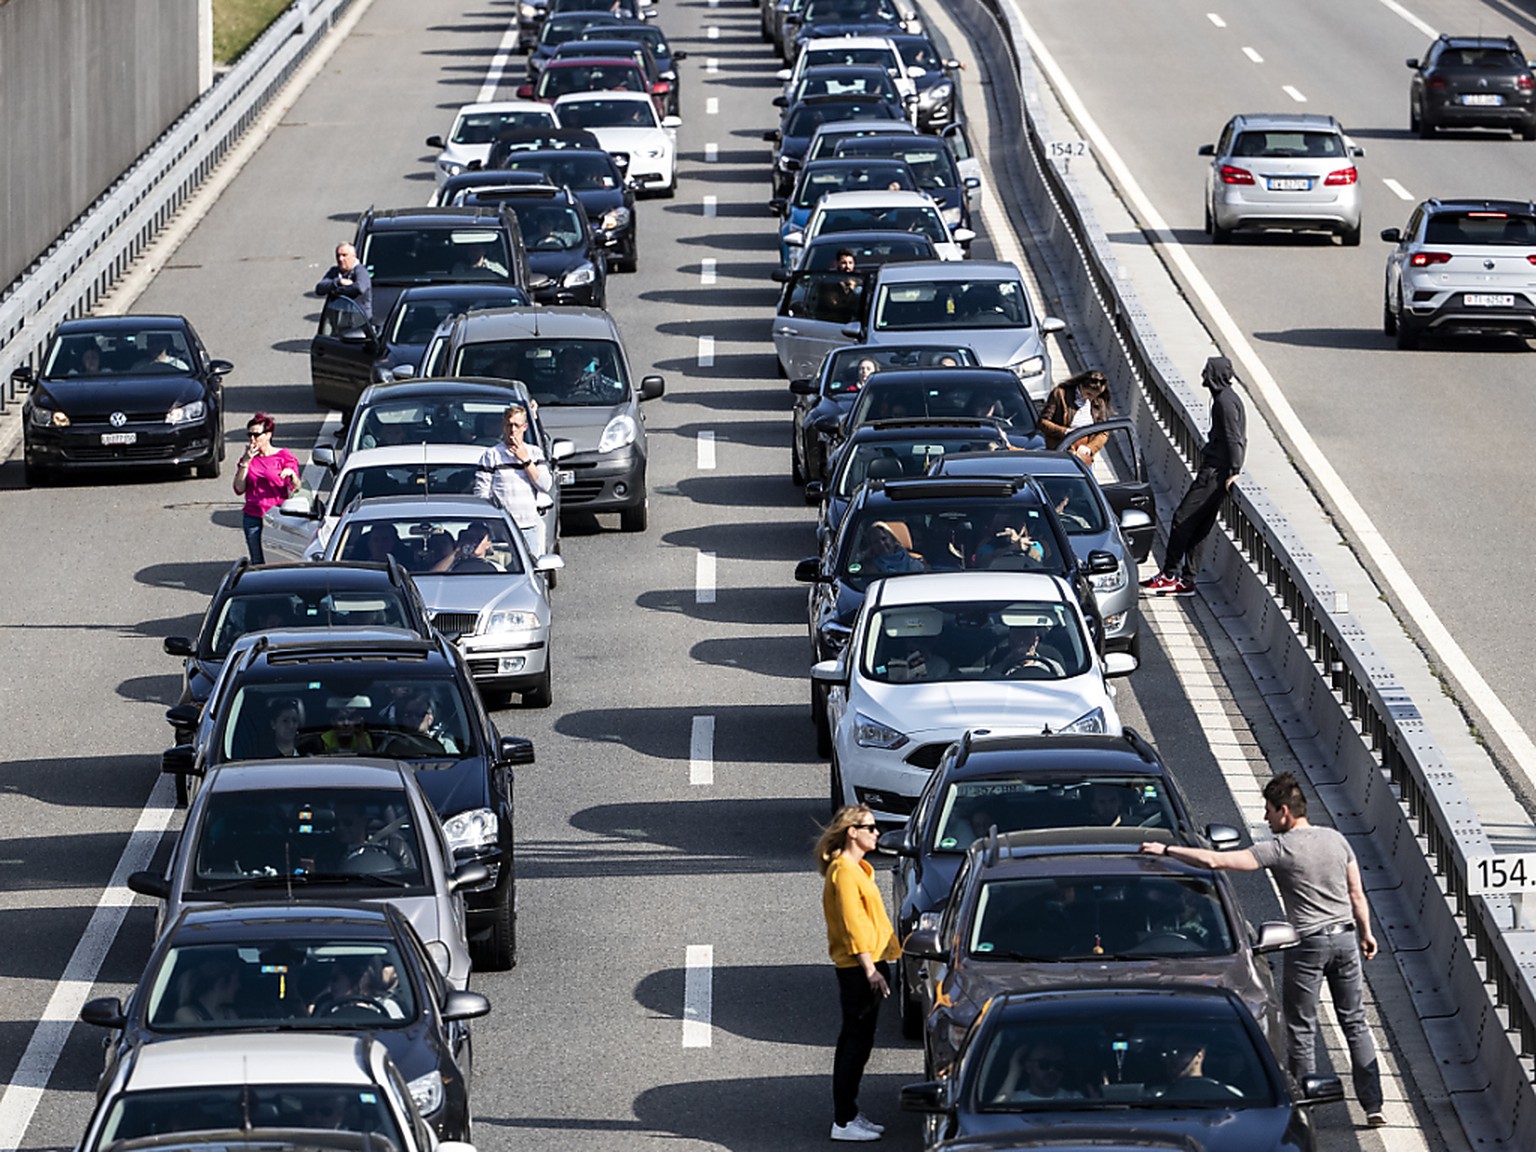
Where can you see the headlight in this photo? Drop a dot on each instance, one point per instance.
(620, 433)
(1113, 623)
(187, 413)
(654, 153)
(48, 417)
(582, 275)
(952, 216)
(787, 163)
(1090, 723)
(511, 622)
(938, 94)
(528, 11)
(1028, 368)
(834, 637)
(869, 733)
(427, 1092)
(476, 830)
(449, 168)
(1109, 581)
(616, 218)
(440, 956)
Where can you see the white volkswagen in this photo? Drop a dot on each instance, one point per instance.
(626, 124)
(476, 127)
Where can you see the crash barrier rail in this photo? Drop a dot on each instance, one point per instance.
(1467, 966)
(84, 263)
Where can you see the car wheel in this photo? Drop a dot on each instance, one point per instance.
(632, 254)
(1425, 128)
(1350, 237)
(1407, 334)
(35, 475)
(183, 792)
(819, 719)
(637, 518)
(1528, 130)
(1220, 235)
(837, 784)
(1207, 219)
(909, 1008)
(1414, 124)
(209, 468)
(796, 472)
(542, 693)
(670, 190)
(498, 951)
(1388, 317)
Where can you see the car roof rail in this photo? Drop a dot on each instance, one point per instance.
(331, 649)
(1139, 744)
(990, 856)
(928, 489)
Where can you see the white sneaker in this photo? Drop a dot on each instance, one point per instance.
(865, 1122)
(853, 1130)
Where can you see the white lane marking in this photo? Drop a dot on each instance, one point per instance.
(714, 3)
(706, 351)
(711, 153)
(707, 270)
(712, 106)
(698, 996)
(1252, 54)
(1215, 19)
(704, 578)
(711, 65)
(711, 204)
(1397, 189)
(1393, 6)
(1254, 371)
(25, 1091)
(712, 33)
(1293, 94)
(706, 461)
(701, 751)
(499, 63)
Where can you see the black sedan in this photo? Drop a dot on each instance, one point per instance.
(569, 263)
(599, 185)
(116, 391)
(1188, 1065)
(799, 124)
(307, 968)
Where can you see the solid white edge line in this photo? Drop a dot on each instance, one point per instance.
(698, 996)
(704, 578)
(1215, 19)
(1253, 55)
(706, 461)
(498, 66)
(706, 351)
(1397, 189)
(701, 751)
(1393, 6)
(1415, 606)
(1293, 93)
(711, 204)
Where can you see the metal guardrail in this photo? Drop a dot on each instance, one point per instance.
(97, 250)
(1471, 971)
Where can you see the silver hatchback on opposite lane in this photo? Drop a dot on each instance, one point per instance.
(1289, 172)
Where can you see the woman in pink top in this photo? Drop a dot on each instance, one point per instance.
(265, 476)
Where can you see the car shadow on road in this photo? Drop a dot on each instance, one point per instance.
(715, 297)
(782, 540)
(748, 433)
(199, 576)
(151, 689)
(746, 330)
(82, 782)
(1355, 339)
(780, 604)
(731, 366)
(786, 657)
(776, 491)
(745, 733)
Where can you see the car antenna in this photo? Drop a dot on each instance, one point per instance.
(992, 845)
(288, 869)
(245, 1094)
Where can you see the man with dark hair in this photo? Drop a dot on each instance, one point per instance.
(1319, 882)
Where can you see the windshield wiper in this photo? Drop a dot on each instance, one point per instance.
(1021, 957)
(304, 879)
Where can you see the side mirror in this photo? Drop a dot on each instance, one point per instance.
(953, 64)
(794, 239)
(515, 750)
(781, 101)
(1275, 935)
(221, 367)
(671, 121)
(808, 571)
(562, 449)
(549, 562)
(179, 761)
(1206, 150)
(1222, 837)
(779, 276)
(853, 331)
(1392, 235)
(1321, 1090)
(964, 235)
(802, 386)
(778, 204)
(651, 387)
(324, 458)
(1412, 62)
(1101, 563)
(301, 506)
(1135, 519)
(186, 715)
(915, 73)
(105, 1012)
(436, 142)
(1050, 325)
(178, 646)
(772, 136)
(1119, 664)
(24, 375)
(150, 884)
(525, 91)
(923, 943)
(894, 842)
(829, 672)
(1356, 150)
(815, 490)
(468, 875)
(465, 1006)
(679, 54)
(925, 1097)
(973, 182)
(782, 75)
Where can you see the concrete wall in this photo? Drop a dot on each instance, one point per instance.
(85, 87)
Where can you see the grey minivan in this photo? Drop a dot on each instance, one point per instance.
(573, 364)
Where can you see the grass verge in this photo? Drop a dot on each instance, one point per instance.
(238, 22)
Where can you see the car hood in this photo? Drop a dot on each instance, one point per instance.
(481, 593)
(1274, 1129)
(994, 347)
(981, 979)
(631, 140)
(454, 786)
(580, 424)
(119, 394)
(557, 264)
(947, 709)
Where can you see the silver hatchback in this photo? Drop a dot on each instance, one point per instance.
(1289, 172)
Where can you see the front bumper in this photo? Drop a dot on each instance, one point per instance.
(610, 482)
(80, 446)
(505, 662)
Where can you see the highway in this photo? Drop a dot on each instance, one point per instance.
(664, 832)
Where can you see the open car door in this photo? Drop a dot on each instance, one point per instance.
(1121, 471)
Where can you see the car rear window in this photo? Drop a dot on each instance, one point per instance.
(1280, 145)
(1480, 228)
(895, 459)
(381, 606)
(1483, 58)
(971, 808)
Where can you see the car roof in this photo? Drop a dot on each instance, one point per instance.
(868, 127)
(394, 455)
(446, 216)
(427, 505)
(214, 1060)
(589, 97)
(132, 322)
(306, 772)
(885, 198)
(933, 587)
(299, 576)
(1440, 204)
(931, 428)
(1066, 754)
(1302, 121)
(1451, 40)
(959, 376)
(535, 323)
(862, 238)
(850, 42)
(922, 271)
(1020, 462)
(456, 291)
(589, 61)
(504, 106)
(469, 387)
(215, 923)
(1201, 994)
(1109, 849)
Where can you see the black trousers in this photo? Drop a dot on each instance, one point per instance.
(1193, 520)
(856, 1040)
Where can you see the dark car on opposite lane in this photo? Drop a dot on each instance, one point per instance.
(1472, 82)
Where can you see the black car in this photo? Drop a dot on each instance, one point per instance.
(556, 30)
(938, 95)
(949, 390)
(345, 359)
(116, 391)
(854, 17)
(1472, 82)
(822, 401)
(302, 967)
(563, 251)
(350, 693)
(1187, 1065)
(933, 163)
(799, 124)
(866, 81)
(594, 177)
(1017, 783)
(654, 38)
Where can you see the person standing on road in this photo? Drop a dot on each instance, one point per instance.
(265, 476)
(862, 944)
(514, 472)
(1220, 463)
(1319, 882)
(348, 277)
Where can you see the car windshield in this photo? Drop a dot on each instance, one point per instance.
(421, 255)
(1151, 1052)
(418, 317)
(995, 399)
(484, 127)
(1076, 500)
(551, 227)
(220, 1108)
(848, 369)
(1481, 229)
(427, 420)
(120, 352)
(580, 373)
(369, 480)
(968, 640)
(848, 11)
(845, 82)
(933, 165)
(567, 26)
(971, 808)
(951, 303)
(297, 981)
(608, 114)
(614, 77)
(577, 170)
(820, 57)
(867, 253)
(382, 605)
(804, 119)
(362, 837)
(854, 177)
(923, 219)
(337, 709)
(1279, 144)
(433, 546)
(888, 459)
(639, 33)
(917, 52)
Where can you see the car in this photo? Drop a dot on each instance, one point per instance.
(1013, 784)
(1472, 82)
(932, 162)
(1048, 908)
(1122, 1060)
(563, 251)
(1112, 515)
(629, 124)
(882, 211)
(1461, 266)
(979, 303)
(289, 1083)
(1289, 171)
(456, 189)
(433, 410)
(625, 9)
(510, 143)
(323, 828)
(667, 56)
(946, 391)
(123, 391)
(932, 656)
(870, 17)
(574, 366)
(476, 127)
(386, 695)
(596, 180)
(863, 80)
(824, 398)
(799, 124)
(556, 30)
(870, 250)
(561, 77)
(349, 351)
(494, 606)
(304, 968)
(855, 49)
(932, 74)
(824, 142)
(816, 179)
(593, 45)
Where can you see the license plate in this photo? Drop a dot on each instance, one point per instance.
(1290, 184)
(1482, 100)
(567, 476)
(1481, 300)
(109, 439)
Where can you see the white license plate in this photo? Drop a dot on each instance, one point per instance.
(110, 439)
(566, 476)
(1482, 100)
(1290, 184)
(1482, 300)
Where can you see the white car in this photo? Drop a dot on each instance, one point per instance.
(933, 656)
(875, 50)
(888, 211)
(627, 124)
(476, 127)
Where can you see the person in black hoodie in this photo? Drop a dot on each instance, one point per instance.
(1220, 463)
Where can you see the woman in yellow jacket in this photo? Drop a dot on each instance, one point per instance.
(861, 942)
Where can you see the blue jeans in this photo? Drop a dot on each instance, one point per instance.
(251, 526)
(1337, 960)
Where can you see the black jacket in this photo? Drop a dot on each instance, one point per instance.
(1227, 443)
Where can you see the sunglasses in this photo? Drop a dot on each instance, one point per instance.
(866, 827)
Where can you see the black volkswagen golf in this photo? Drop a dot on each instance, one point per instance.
(120, 391)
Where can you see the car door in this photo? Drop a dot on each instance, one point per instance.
(968, 162)
(813, 310)
(342, 353)
(1121, 470)
(287, 535)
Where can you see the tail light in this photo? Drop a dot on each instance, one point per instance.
(1436, 81)
(1425, 259)
(1231, 175)
(1343, 176)
(660, 88)
(1526, 83)
(1530, 259)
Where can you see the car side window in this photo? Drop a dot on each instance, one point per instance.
(951, 917)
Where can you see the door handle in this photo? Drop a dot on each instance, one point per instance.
(786, 331)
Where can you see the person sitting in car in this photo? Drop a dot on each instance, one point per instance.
(1025, 655)
(1010, 544)
(348, 734)
(885, 554)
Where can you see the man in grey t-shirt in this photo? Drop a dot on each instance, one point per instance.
(1319, 883)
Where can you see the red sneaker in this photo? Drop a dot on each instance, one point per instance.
(1160, 583)
(1181, 587)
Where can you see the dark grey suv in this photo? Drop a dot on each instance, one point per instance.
(1472, 82)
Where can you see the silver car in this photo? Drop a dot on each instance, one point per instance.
(1289, 172)
(486, 594)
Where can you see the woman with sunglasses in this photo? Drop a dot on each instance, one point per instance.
(265, 476)
(862, 944)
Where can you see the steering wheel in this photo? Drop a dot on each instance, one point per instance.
(1025, 669)
(367, 1003)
